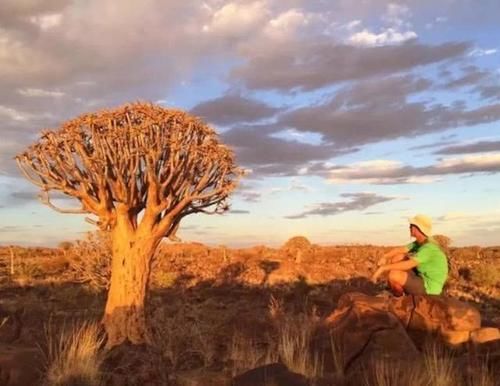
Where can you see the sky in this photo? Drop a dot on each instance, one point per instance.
(350, 116)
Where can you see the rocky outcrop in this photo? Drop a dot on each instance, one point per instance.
(367, 327)
(275, 374)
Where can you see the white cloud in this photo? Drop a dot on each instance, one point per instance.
(46, 22)
(389, 36)
(397, 29)
(236, 20)
(352, 24)
(481, 160)
(394, 172)
(286, 23)
(15, 115)
(396, 14)
(38, 92)
(483, 52)
(358, 172)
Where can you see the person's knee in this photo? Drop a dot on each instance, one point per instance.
(397, 277)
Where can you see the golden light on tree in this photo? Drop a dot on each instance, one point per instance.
(138, 170)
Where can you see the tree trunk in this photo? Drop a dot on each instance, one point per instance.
(124, 317)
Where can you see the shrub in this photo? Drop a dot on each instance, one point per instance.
(90, 259)
(486, 275)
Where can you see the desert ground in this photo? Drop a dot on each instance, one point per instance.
(216, 313)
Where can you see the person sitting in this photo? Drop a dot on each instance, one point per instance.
(418, 268)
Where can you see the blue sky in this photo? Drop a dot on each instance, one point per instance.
(350, 116)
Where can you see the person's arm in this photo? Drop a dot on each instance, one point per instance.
(394, 255)
(405, 265)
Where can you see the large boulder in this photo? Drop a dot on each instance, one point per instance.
(363, 329)
(486, 334)
(452, 319)
(275, 374)
(439, 313)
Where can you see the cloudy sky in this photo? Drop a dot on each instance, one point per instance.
(351, 115)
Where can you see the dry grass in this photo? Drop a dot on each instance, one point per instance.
(246, 353)
(439, 366)
(184, 337)
(295, 333)
(486, 275)
(482, 376)
(436, 368)
(74, 357)
(383, 373)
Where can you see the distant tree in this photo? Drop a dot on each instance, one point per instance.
(65, 246)
(139, 169)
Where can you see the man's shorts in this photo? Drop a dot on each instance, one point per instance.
(414, 284)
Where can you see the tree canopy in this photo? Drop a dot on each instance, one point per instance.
(136, 158)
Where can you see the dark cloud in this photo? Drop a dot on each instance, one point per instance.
(489, 91)
(380, 92)
(249, 196)
(265, 154)
(314, 64)
(10, 229)
(377, 110)
(478, 147)
(432, 145)
(470, 78)
(239, 211)
(232, 109)
(356, 201)
(21, 197)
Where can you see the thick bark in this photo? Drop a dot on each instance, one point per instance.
(124, 317)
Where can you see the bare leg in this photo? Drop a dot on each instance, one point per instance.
(397, 280)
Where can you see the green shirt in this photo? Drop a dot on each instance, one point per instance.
(432, 265)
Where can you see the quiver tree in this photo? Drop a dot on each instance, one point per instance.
(138, 171)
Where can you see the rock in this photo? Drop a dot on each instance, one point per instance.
(363, 329)
(19, 366)
(201, 378)
(275, 374)
(484, 335)
(419, 312)
(454, 338)
(366, 326)
(435, 313)
(391, 344)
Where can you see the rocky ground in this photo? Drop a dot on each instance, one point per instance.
(217, 312)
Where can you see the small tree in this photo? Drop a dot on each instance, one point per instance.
(139, 169)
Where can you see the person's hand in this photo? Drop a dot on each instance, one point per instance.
(377, 274)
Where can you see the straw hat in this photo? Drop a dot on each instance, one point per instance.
(422, 222)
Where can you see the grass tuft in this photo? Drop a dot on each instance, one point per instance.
(74, 357)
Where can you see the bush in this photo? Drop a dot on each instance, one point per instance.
(90, 259)
(486, 275)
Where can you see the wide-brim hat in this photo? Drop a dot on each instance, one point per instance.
(422, 222)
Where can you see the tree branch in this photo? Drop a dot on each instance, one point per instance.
(45, 199)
